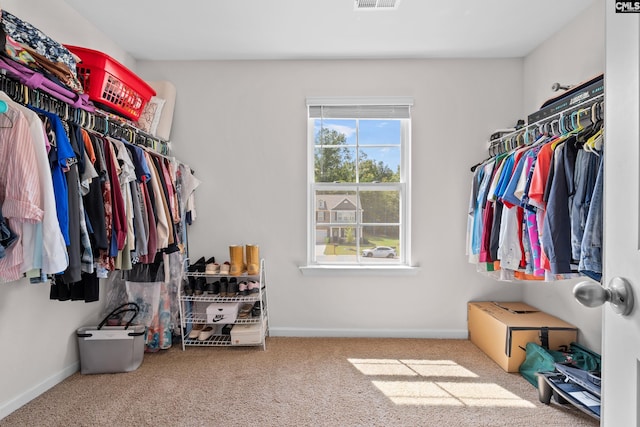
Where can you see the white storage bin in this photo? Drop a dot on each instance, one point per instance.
(247, 334)
(110, 349)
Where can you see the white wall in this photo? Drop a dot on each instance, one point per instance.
(39, 346)
(242, 127)
(573, 55)
(63, 24)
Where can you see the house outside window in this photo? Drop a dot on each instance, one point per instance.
(359, 169)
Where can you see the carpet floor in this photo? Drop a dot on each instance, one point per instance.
(303, 382)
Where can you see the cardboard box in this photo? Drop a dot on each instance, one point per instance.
(222, 312)
(247, 334)
(503, 329)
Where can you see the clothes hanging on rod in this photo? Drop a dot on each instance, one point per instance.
(106, 194)
(535, 210)
(549, 124)
(72, 151)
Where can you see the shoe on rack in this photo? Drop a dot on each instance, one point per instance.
(253, 287)
(232, 290)
(245, 310)
(189, 286)
(212, 268)
(253, 259)
(224, 268)
(238, 266)
(206, 333)
(195, 331)
(256, 311)
(198, 266)
(243, 288)
(213, 288)
(201, 284)
(224, 286)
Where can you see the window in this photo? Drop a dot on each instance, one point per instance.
(359, 169)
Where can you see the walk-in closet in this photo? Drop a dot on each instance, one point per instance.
(303, 214)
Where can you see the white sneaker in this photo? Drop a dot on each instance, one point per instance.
(213, 268)
(195, 331)
(206, 333)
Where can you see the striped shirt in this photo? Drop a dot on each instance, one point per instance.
(20, 194)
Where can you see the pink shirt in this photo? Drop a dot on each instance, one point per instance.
(20, 194)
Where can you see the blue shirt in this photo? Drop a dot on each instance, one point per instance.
(61, 157)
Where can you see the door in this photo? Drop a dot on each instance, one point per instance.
(621, 335)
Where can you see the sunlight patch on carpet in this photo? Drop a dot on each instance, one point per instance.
(439, 368)
(484, 394)
(459, 391)
(423, 368)
(416, 393)
(382, 367)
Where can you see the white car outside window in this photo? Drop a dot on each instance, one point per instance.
(379, 252)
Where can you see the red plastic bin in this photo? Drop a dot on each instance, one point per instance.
(111, 84)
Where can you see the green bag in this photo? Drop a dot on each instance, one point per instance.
(583, 358)
(540, 359)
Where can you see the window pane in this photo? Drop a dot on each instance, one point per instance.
(336, 253)
(380, 244)
(336, 212)
(334, 132)
(380, 206)
(379, 132)
(335, 164)
(379, 164)
(337, 233)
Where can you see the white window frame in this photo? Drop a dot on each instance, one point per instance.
(403, 187)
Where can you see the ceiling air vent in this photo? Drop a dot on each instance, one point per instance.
(376, 4)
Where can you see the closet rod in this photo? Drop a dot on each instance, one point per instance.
(548, 119)
(24, 95)
(135, 132)
(572, 109)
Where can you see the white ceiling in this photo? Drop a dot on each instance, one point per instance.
(327, 29)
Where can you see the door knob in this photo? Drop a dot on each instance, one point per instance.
(619, 294)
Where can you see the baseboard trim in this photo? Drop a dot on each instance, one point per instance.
(8, 407)
(370, 333)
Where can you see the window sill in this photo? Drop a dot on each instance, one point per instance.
(358, 270)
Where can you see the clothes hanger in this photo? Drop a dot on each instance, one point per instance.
(562, 122)
(477, 165)
(594, 143)
(589, 126)
(596, 112)
(598, 142)
(543, 128)
(586, 114)
(4, 107)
